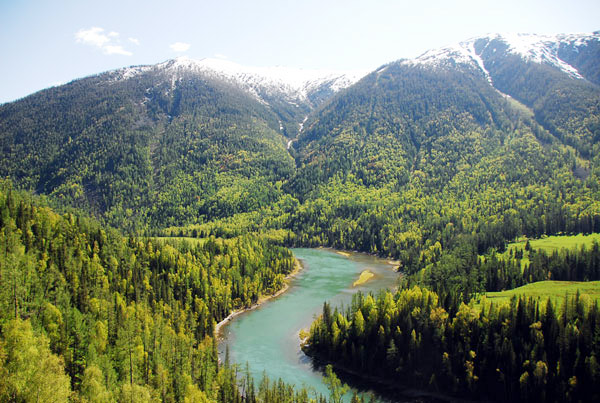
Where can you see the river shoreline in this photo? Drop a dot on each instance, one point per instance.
(297, 268)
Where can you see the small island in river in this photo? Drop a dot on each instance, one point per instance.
(365, 276)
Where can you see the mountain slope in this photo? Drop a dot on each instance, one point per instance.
(178, 142)
(411, 104)
(552, 75)
(120, 146)
(434, 150)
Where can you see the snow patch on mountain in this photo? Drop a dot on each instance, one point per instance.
(459, 53)
(131, 72)
(477, 58)
(541, 49)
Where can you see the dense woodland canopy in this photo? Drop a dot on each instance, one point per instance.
(431, 166)
(89, 314)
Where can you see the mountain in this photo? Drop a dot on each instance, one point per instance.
(189, 142)
(486, 79)
(169, 143)
(420, 151)
(545, 73)
(557, 51)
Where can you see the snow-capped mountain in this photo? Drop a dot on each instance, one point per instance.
(557, 51)
(168, 135)
(264, 83)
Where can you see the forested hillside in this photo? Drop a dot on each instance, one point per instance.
(146, 151)
(521, 351)
(90, 315)
(171, 145)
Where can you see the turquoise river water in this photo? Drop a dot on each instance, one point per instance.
(267, 338)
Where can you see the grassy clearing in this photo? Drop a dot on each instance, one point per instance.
(365, 276)
(520, 107)
(542, 290)
(550, 244)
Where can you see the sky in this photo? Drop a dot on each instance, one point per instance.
(51, 42)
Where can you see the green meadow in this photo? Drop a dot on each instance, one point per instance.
(550, 244)
(589, 291)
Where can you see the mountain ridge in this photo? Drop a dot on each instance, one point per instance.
(191, 141)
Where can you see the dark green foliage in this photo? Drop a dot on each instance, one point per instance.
(566, 265)
(461, 272)
(515, 352)
(584, 58)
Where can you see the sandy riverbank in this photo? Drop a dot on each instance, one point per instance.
(297, 267)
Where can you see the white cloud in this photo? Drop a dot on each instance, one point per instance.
(107, 42)
(135, 41)
(221, 56)
(93, 36)
(180, 46)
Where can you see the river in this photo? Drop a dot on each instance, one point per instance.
(267, 338)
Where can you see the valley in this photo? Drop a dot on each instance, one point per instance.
(141, 206)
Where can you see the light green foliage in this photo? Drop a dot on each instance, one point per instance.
(135, 394)
(555, 242)
(32, 373)
(92, 386)
(120, 318)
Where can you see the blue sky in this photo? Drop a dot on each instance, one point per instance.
(45, 43)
